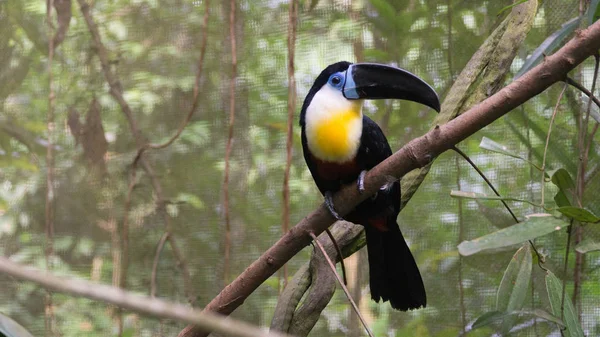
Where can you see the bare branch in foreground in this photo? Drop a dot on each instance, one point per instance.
(415, 154)
(131, 301)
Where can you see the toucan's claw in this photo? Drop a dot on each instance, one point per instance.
(360, 183)
(329, 204)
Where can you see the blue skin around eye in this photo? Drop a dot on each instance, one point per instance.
(339, 85)
(349, 86)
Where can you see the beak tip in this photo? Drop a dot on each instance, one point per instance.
(436, 105)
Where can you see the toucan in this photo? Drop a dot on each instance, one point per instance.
(340, 144)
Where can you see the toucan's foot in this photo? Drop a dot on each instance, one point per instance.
(329, 204)
(360, 183)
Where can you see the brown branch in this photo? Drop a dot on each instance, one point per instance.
(49, 320)
(116, 91)
(341, 282)
(583, 89)
(416, 153)
(229, 142)
(133, 302)
(291, 105)
(159, 249)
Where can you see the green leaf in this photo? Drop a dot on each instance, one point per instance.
(10, 328)
(385, 10)
(482, 196)
(495, 316)
(535, 225)
(513, 287)
(546, 316)
(579, 214)
(490, 145)
(548, 45)
(495, 215)
(489, 318)
(566, 187)
(587, 245)
(593, 12)
(554, 289)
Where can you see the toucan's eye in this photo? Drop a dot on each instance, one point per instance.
(336, 80)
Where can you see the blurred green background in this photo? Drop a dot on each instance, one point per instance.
(153, 47)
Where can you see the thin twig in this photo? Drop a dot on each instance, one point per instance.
(339, 252)
(159, 249)
(116, 91)
(581, 88)
(487, 181)
(291, 105)
(564, 285)
(134, 302)
(49, 319)
(196, 95)
(337, 276)
(227, 254)
(554, 112)
(541, 259)
(591, 138)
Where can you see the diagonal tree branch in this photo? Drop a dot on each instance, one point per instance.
(415, 154)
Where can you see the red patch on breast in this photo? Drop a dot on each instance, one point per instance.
(346, 171)
(379, 223)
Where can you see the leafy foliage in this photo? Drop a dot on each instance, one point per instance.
(153, 47)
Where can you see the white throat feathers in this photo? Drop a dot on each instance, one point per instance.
(333, 125)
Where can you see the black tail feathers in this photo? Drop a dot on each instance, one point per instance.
(393, 272)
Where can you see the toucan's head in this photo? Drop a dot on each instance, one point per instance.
(331, 114)
(360, 81)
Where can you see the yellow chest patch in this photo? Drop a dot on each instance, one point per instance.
(336, 137)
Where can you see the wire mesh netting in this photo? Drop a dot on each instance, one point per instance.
(85, 145)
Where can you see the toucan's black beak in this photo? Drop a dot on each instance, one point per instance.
(378, 81)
